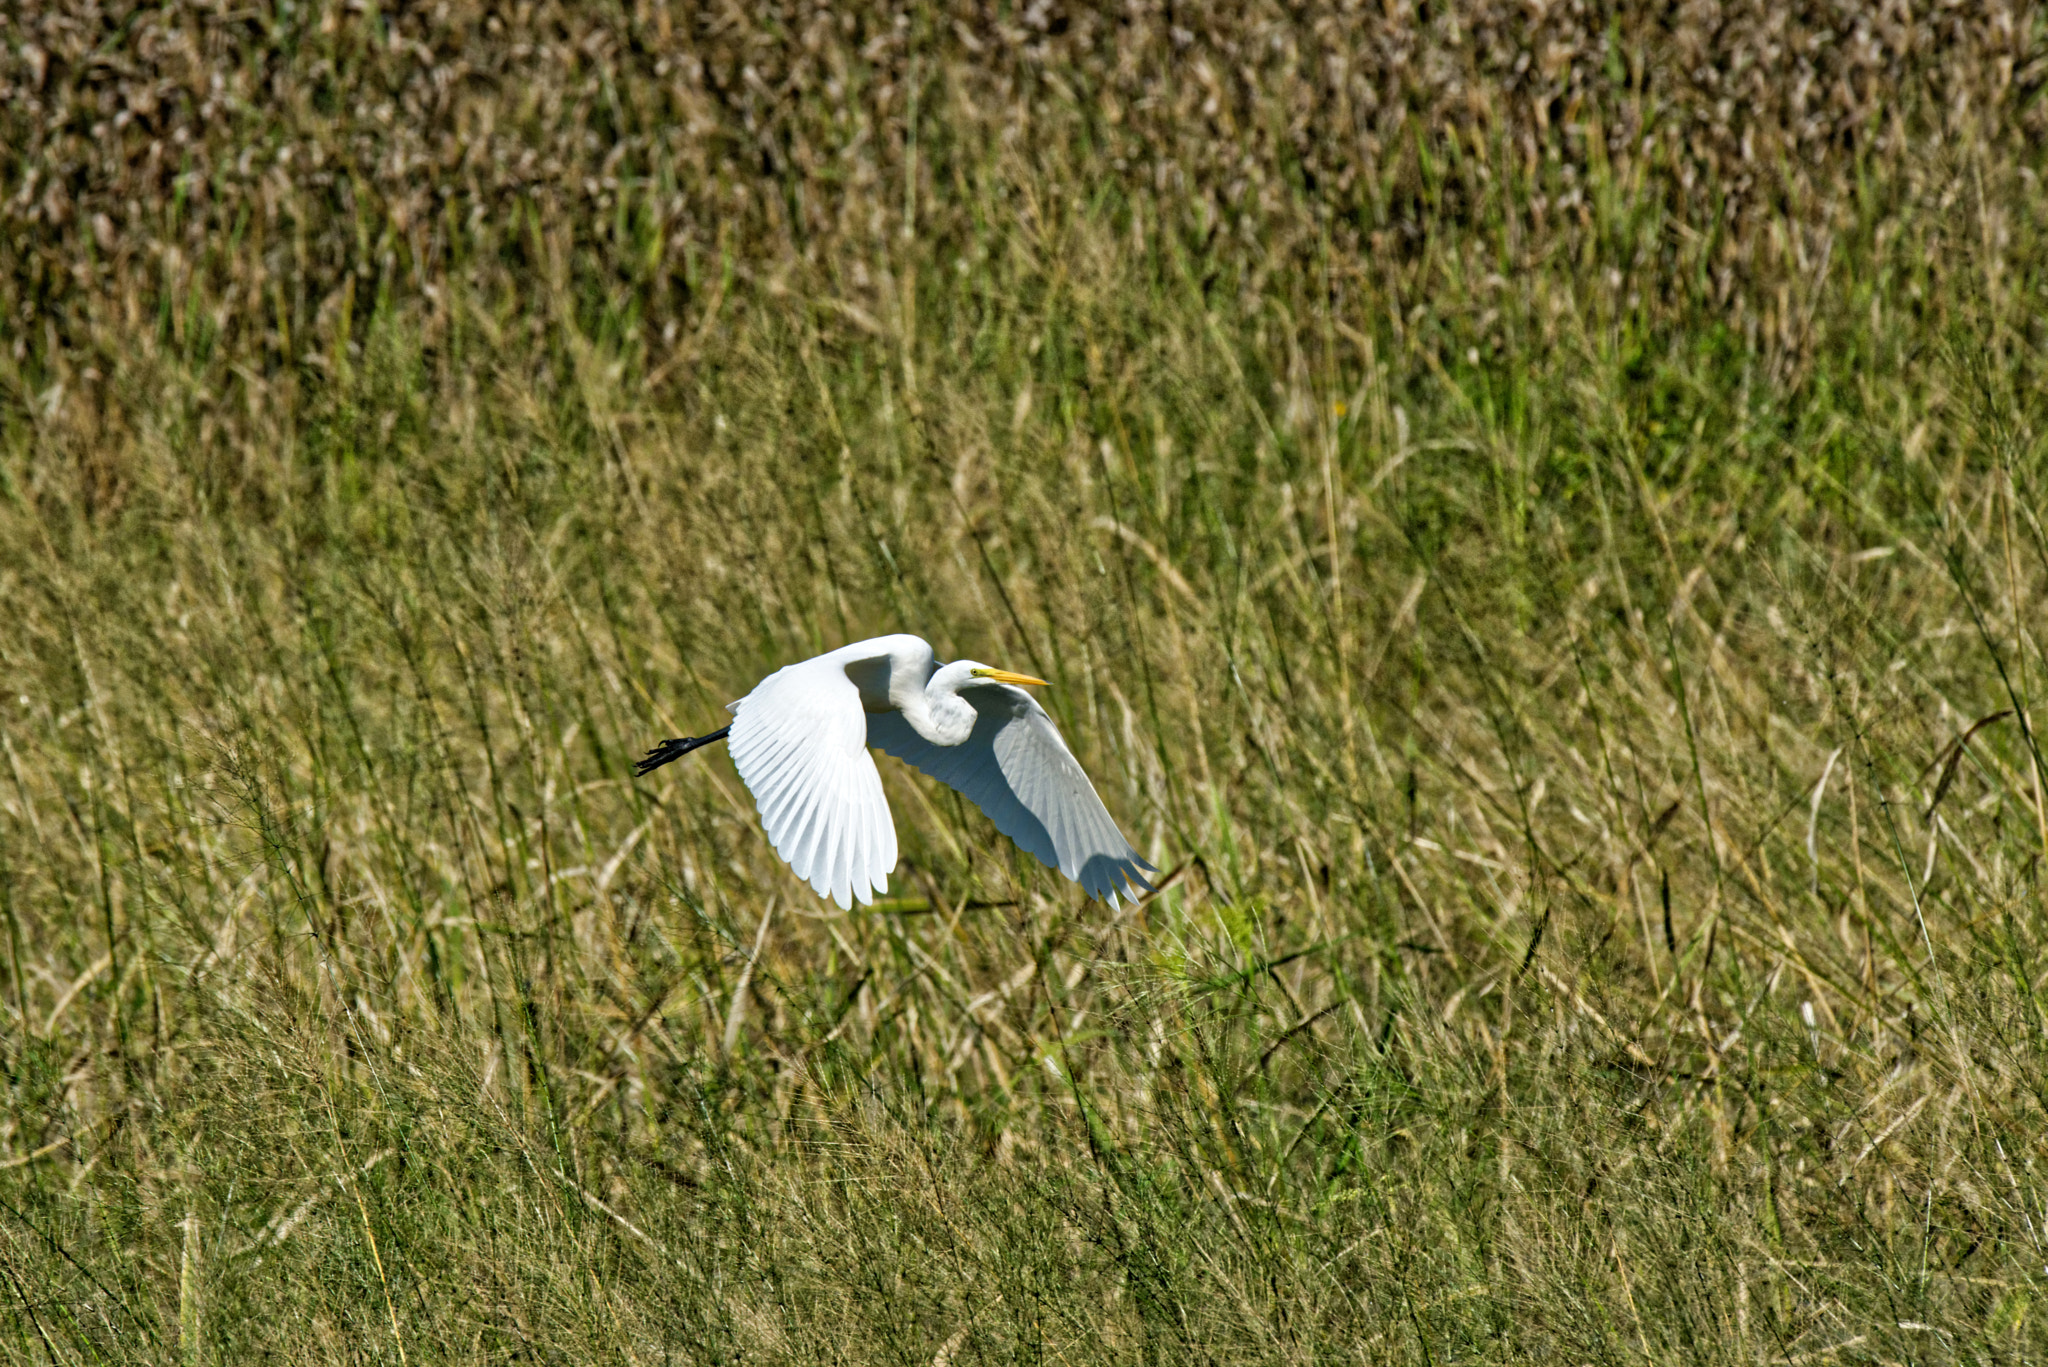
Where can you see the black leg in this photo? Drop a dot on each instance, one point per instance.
(675, 748)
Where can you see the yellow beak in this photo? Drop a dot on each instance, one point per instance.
(1009, 677)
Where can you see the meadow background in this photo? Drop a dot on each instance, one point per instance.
(1533, 513)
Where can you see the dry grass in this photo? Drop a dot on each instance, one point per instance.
(1545, 551)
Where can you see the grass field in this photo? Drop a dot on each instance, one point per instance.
(1533, 516)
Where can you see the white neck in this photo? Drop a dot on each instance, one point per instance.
(936, 711)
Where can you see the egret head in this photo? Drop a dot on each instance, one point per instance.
(1004, 676)
(960, 674)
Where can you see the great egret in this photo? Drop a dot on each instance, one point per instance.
(800, 741)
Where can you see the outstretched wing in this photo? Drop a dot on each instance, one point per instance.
(1017, 769)
(799, 741)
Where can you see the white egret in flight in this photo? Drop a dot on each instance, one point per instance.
(800, 741)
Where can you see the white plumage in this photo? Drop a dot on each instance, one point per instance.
(800, 741)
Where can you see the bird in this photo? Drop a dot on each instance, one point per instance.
(800, 741)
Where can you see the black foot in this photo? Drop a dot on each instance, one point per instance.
(674, 748)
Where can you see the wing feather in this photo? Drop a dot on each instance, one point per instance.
(800, 834)
(798, 741)
(884, 849)
(1016, 767)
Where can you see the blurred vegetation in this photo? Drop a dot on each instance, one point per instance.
(1533, 513)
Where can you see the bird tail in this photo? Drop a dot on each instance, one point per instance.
(674, 748)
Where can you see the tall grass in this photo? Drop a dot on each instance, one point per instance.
(1545, 553)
